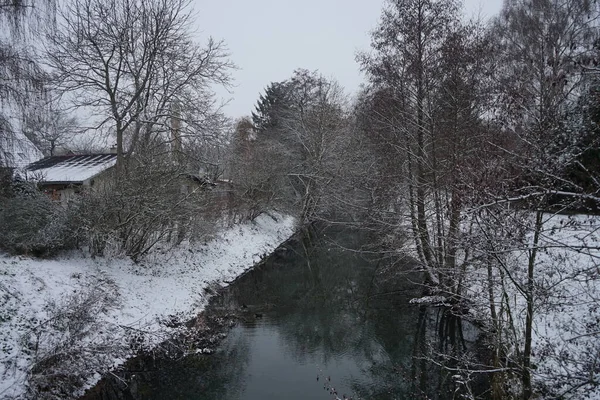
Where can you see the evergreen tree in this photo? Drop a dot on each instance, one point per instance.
(271, 106)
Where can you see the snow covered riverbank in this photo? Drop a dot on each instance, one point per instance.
(566, 304)
(92, 310)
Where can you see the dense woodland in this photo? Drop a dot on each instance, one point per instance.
(465, 141)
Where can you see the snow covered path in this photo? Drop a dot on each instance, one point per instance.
(164, 284)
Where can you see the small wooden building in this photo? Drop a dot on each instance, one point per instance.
(61, 177)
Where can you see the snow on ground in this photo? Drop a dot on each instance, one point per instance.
(567, 326)
(566, 349)
(168, 282)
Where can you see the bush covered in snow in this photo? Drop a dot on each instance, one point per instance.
(66, 348)
(32, 223)
(155, 204)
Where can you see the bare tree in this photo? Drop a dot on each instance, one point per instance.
(136, 65)
(22, 81)
(296, 147)
(302, 128)
(50, 129)
(314, 123)
(542, 46)
(253, 172)
(426, 108)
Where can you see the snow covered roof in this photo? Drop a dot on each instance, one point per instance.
(71, 168)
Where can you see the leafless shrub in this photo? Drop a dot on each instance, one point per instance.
(71, 344)
(158, 204)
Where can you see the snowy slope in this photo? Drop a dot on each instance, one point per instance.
(566, 323)
(167, 283)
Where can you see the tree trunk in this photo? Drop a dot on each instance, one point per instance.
(420, 159)
(120, 157)
(452, 238)
(529, 296)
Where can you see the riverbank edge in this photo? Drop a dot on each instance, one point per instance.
(203, 334)
(171, 328)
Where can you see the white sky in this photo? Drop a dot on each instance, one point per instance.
(269, 39)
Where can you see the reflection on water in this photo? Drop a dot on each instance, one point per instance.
(316, 322)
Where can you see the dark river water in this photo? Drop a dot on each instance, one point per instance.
(318, 321)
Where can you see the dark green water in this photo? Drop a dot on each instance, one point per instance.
(316, 322)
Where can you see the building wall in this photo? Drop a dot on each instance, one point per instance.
(102, 181)
(68, 192)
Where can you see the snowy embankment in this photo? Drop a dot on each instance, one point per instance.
(567, 328)
(566, 323)
(101, 306)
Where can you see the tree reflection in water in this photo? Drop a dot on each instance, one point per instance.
(341, 313)
(193, 377)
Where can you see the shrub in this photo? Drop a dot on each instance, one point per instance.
(32, 223)
(71, 344)
(155, 203)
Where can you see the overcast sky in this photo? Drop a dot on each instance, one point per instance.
(269, 39)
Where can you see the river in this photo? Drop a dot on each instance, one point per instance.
(318, 320)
